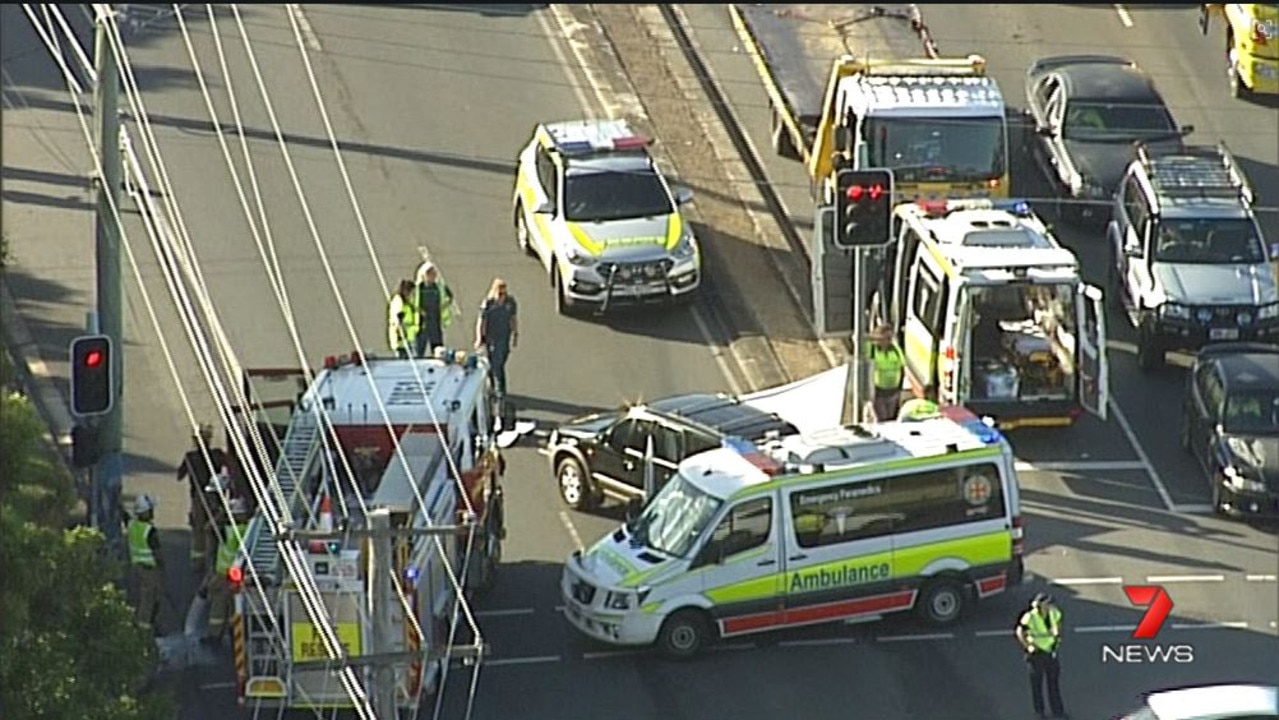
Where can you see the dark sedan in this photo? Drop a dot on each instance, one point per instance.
(1089, 111)
(1231, 425)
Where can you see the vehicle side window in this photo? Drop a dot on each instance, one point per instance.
(668, 444)
(546, 175)
(1135, 205)
(625, 433)
(930, 299)
(697, 443)
(745, 527)
(1214, 395)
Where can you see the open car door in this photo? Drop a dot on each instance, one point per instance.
(1093, 378)
(963, 341)
(272, 393)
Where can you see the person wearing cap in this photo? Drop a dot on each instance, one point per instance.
(402, 320)
(198, 466)
(1039, 631)
(435, 309)
(217, 586)
(917, 409)
(497, 330)
(888, 367)
(147, 562)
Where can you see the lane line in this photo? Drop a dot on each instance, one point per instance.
(1105, 628)
(717, 351)
(1261, 578)
(1089, 581)
(606, 654)
(572, 530)
(1124, 17)
(1157, 579)
(574, 81)
(817, 643)
(1079, 466)
(1142, 456)
(908, 638)
(993, 633)
(1235, 625)
(304, 26)
(504, 613)
(734, 647)
(1193, 509)
(226, 685)
(539, 659)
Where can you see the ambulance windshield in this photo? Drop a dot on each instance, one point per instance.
(676, 518)
(919, 150)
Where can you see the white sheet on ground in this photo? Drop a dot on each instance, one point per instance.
(814, 403)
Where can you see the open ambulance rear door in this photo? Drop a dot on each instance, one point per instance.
(1093, 378)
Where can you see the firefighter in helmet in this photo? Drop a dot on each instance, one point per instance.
(217, 586)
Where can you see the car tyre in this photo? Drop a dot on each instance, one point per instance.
(1150, 353)
(684, 634)
(942, 602)
(575, 487)
(522, 231)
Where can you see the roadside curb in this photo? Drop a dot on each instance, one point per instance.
(36, 379)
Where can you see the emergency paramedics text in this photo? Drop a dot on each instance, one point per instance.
(1158, 606)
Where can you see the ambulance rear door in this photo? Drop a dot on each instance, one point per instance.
(961, 335)
(1092, 380)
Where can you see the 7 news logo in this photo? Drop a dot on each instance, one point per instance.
(1158, 606)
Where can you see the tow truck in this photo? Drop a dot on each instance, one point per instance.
(414, 436)
(852, 91)
(1251, 44)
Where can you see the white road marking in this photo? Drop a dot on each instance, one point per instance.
(817, 643)
(522, 660)
(1159, 579)
(560, 608)
(1124, 17)
(1080, 466)
(734, 647)
(1142, 456)
(504, 613)
(1089, 581)
(1193, 509)
(606, 654)
(1105, 628)
(217, 686)
(304, 26)
(993, 633)
(572, 530)
(908, 638)
(1236, 625)
(1261, 578)
(716, 351)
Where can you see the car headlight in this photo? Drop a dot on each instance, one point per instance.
(617, 601)
(1174, 311)
(1268, 312)
(686, 249)
(1236, 479)
(579, 258)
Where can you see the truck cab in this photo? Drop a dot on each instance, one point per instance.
(992, 313)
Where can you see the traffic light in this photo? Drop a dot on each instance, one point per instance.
(91, 372)
(863, 207)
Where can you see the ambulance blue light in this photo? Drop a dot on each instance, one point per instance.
(575, 147)
(411, 574)
(979, 427)
(741, 447)
(1020, 208)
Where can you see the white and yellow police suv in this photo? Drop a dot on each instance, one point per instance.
(592, 205)
(853, 522)
(993, 314)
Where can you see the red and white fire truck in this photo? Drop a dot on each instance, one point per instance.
(414, 436)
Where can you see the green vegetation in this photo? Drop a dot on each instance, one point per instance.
(68, 645)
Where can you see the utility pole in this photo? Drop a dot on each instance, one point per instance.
(109, 473)
(382, 595)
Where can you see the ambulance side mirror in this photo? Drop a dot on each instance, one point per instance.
(683, 195)
(545, 208)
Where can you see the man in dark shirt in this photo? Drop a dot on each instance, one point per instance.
(498, 331)
(197, 470)
(435, 308)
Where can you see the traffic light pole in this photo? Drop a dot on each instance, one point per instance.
(109, 472)
(857, 383)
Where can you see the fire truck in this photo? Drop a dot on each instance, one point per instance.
(417, 437)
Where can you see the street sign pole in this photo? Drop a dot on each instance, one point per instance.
(857, 366)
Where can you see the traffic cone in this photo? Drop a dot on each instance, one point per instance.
(326, 514)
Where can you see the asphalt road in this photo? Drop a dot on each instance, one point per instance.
(433, 103)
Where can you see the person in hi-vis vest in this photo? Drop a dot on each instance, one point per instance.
(402, 320)
(888, 367)
(435, 307)
(147, 562)
(217, 587)
(1039, 631)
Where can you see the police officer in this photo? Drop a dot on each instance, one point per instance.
(917, 409)
(1039, 632)
(402, 320)
(196, 468)
(888, 367)
(498, 331)
(217, 587)
(435, 309)
(146, 561)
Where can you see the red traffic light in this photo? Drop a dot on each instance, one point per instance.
(876, 191)
(92, 359)
(855, 192)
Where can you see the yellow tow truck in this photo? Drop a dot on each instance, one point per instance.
(1252, 45)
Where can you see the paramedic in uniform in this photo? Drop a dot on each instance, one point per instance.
(147, 562)
(197, 469)
(888, 367)
(217, 587)
(402, 320)
(1039, 632)
(435, 309)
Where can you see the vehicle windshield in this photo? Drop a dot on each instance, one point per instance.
(1088, 120)
(604, 196)
(1252, 412)
(939, 149)
(675, 518)
(1209, 242)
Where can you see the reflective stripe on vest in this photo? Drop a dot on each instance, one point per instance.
(1043, 633)
(140, 552)
(401, 333)
(230, 547)
(888, 367)
(446, 305)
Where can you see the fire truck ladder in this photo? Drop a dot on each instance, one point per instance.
(297, 452)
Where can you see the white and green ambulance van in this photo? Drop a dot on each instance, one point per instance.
(847, 523)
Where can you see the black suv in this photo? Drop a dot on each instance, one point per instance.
(1231, 425)
(603, 455)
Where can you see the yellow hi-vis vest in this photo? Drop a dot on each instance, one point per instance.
(140, 552)
(401, 333)
(888, 365)
(1043, 633)
(230, 547)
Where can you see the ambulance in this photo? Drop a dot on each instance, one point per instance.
(846, 523)
(992, 313)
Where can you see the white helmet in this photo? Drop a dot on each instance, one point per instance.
(220, 482)
(238, 506)
(144, 504)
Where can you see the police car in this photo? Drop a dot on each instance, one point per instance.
(591, 204)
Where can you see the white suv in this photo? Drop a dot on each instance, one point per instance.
(1211, 702)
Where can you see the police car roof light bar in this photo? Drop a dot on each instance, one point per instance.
(752, 454)
(978, 427)
(633, 142)
(575, 147)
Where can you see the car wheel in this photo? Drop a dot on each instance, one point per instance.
(1217, 506)
(575, 487)
(1150, 353)
(521, 231)
(564, 305)
(684, 634)
(942, 602)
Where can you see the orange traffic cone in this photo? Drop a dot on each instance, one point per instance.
(326, 514)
